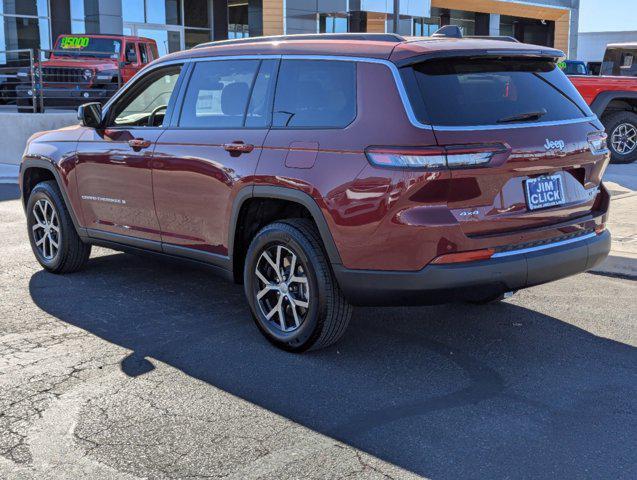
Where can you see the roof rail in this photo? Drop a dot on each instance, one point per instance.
(373, 37)
(501, 38)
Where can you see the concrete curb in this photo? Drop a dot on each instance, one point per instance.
(9, 173)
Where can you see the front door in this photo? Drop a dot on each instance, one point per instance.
(209, 153)
(114, 162)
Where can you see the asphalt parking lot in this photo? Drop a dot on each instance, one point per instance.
(134, 368)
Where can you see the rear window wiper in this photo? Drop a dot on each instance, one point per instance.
(522, 117)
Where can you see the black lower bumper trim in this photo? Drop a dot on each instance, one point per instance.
(473, 280)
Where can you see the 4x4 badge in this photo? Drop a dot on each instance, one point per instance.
(554, 144)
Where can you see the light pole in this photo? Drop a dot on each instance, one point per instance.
(396, 14)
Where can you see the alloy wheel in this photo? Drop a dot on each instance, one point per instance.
(624, 138)
(282, 287)
(46, 229)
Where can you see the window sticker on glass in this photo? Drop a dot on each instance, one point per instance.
(74, 42)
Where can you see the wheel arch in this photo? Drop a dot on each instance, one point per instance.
(290, 195)
(35, 170)
(604, 99)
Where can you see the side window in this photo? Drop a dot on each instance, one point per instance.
(143, 54)
(260, 109)
(315, 93)
(154, 52)
(147, 102)
(217, 94)
(130, 54)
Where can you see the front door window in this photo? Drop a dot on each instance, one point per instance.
(147, 107)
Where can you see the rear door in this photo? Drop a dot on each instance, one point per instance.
(517, 136)
(210, 152)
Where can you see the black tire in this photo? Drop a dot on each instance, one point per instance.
(612, 122)
(72, 254)
(327, 315)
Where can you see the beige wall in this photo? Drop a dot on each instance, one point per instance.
(560, 16)
(376, 22)
(272, 17)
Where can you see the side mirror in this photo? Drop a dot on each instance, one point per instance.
(90, 114)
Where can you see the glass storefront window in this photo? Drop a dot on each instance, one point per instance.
(425, 27)
(167, 40)
(332, 23)
(167, 12)
(133, 11)
(238, 20)
(36, 8)
(78, 26)
(23, 32)
(195, 37)
(197, 14)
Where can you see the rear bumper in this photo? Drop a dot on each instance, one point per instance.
(474, 280)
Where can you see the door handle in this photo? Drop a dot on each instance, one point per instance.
(139, 143)
(237, 147)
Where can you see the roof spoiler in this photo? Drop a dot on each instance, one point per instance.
(372, 37)
(548, 53)
(448, 31)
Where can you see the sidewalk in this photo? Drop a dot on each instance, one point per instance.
(623, 227)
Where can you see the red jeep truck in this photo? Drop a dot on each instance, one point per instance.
(83, 68)
(614, 101)
(613, 97)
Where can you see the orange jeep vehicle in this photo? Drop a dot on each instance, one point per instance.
(83, 68)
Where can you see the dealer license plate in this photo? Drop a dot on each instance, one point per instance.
(544, 192)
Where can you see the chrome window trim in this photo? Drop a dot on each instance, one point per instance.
(544, 247)
(392, 68)
(147, 69)
(461, 128)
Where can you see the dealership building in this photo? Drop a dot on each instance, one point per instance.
(179, 24)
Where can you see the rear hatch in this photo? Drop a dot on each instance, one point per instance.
(523, 147)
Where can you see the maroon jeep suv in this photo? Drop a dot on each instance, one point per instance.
(326, 172)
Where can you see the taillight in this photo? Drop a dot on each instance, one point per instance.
(435, 158)
(597, 143)
(430, 158)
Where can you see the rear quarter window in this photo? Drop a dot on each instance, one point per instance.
(315, 94)
(467, 92)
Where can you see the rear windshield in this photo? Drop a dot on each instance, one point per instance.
(483, 91)
(80, 46)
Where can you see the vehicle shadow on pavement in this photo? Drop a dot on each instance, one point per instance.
(447, 392)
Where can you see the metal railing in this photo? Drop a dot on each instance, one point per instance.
(16, 68)
(39, 80)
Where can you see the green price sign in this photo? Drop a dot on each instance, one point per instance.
(74, 42)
